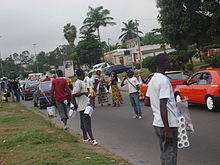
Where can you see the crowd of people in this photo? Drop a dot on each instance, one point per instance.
(159, 97)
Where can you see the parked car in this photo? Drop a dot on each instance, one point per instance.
(117, 69)
(101, 66)
(42, 95)
(176, 78)
(27, 89)
(202, 88)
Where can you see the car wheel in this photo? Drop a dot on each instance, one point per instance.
(178, 98)
(210, 104)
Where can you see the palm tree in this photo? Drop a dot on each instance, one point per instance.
(97, 17)
(70, 33)
(130, 31)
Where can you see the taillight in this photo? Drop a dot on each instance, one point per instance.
(43, 94)
(27, 91)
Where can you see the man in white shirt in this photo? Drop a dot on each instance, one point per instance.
(160, 98)
(133, 87)
(80, 93)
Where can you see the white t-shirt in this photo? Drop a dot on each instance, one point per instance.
(159, 87)
(82, 101)
(89, 81)
(133, 81)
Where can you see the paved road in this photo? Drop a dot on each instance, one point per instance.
(135, 140)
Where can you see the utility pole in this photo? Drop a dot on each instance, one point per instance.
(139, 44)
(1, 62)
(36, 57)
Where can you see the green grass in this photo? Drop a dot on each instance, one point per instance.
(28, 138)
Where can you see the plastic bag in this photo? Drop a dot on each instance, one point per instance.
(52, 111)
(185, 124)
(72, 111)
(89, 110)
(182, 108)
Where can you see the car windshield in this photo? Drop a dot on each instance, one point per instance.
(31, 84)
(45, 85)
(177, 76)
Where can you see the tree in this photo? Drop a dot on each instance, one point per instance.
(129, 31)
(185, 22)
(70, 33)
(97, 17)
(153, 37)
(149, 63)
(89, 49)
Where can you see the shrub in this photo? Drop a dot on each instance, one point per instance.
(214, 61)
(149, 63)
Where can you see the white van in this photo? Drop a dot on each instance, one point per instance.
(101, 66)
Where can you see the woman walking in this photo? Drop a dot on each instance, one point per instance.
(102, 91)
(116, 95)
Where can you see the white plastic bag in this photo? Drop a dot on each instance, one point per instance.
(72, 111)
(88, 110)
(183, 110)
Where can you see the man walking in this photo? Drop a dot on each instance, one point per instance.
(15, 87)
(133, 87)
(160, 97)
(80, 93)
(62, 94)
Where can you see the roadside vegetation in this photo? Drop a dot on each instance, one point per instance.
(28, 138)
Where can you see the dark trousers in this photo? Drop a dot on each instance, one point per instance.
(168, 149)
(85, 121)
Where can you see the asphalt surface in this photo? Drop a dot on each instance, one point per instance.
(135, 140)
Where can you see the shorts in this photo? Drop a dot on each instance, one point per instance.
(62, 109)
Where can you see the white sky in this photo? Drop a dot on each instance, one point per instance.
(25, 22)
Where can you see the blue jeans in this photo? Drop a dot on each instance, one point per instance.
(134, 98)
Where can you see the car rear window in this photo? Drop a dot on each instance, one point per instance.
(177, 76)
(45, 85)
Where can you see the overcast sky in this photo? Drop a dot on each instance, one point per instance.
(25, 22)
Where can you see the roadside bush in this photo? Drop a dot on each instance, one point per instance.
(214, 61)
(149, 63)
(136, 65)
(189, 67)
(143, 72)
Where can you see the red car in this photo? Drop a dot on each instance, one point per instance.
(203, 88)
(176, 78)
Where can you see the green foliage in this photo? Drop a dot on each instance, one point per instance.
(97, 17)
(214, 61)
(70, 33)
(137, 65)
(89, 50)
(149, 63)
(189, 67)
(129, 31)
(212, 46)
(185, 23)
(153, 38)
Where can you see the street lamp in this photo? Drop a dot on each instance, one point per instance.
(34, 45)
(1, 62)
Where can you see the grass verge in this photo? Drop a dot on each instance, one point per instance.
(28, 138)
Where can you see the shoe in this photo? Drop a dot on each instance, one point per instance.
(135, 117)
(87, 140)
(94, 142)
(139, 117)
(65, 127)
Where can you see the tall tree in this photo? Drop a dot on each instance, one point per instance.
(97, 17)
(70, 33)
(129, 31)
(186, 22)
(89, 49)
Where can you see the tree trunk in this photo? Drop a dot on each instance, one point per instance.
(99, 34)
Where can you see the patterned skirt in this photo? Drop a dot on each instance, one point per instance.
(116, 95)
(102, 96)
